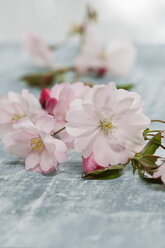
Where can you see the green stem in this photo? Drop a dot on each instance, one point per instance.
(86, 21)
(154, 131)
(60, 130)
(125, 86)
(162, 146)
(158, 121)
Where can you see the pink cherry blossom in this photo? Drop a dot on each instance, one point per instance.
(89, 164)
(38, 50)
(90, 51)
(117, 59)
(160, 172)
(107, 122)
(35, 144)
(61, 96)
(14, 107)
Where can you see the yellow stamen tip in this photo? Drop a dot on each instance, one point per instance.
(107, 125)
(37, 144)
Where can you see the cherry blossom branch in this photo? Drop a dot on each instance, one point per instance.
(158, 121)
(60, 130)
(162, 146)
(155, 131)
(45, 79)
(87, 19)
(90, 15)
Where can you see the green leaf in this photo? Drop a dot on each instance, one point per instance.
(125, 86)
(148, 161)
(146, 131)
(135, 165)
(145, 164)
(152, 145)
(147, 176)
(105, 174)
(40, 80)
(46, 78)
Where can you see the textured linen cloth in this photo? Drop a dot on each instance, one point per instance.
(63, 210)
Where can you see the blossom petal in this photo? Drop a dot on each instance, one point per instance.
(50, 105)
(160, 172)
(61, 157)
(18, 143)
(121, 57)
(5, 115)
(56, 90)
(48, 141)
(80, 117)
(47, 161)
(105, 153)
(67, 139)
(85, 144)
(32, 160)
(100, 96)
(26, 125)
(31, 99)
(130, 139)
(60, 145)
(46, 123)
(37, 49)
(16, 98)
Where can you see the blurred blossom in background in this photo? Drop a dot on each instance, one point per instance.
(142, 21)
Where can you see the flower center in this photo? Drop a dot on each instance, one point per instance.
(37, 144)
(107, 125)
(17, 117)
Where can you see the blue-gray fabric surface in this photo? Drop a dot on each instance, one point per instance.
(63, 210)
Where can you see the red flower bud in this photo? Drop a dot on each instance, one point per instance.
(44, 97)
(89, 164)
(102, 71)
(50, 105)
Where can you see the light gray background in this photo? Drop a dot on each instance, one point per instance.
(62, 210)
(140, 21)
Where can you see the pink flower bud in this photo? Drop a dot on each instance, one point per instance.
(102, 71)
(89, 164)
(44, 97)
(50, 105)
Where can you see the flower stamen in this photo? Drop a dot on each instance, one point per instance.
(17, 117)
(37, 144)
(107, 125)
